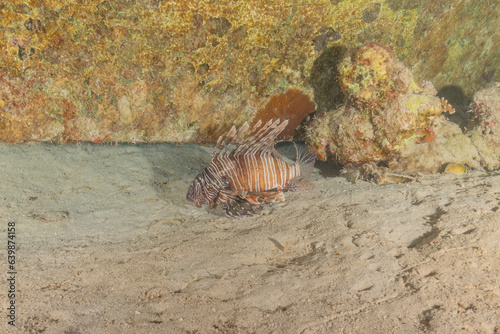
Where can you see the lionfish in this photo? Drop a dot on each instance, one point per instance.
(246, 170)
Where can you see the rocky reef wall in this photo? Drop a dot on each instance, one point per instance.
(152, 70)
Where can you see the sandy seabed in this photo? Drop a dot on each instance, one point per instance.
(107, 243)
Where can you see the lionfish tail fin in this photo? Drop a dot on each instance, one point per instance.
(296, 184)
(305, 160)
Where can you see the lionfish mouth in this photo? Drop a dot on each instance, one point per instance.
(189, 195)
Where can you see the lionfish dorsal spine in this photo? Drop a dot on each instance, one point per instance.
(248, 138)
(256, 138)
(265, 142)
(224, 142)
(262, 139)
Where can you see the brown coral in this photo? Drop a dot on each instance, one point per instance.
(292, 105)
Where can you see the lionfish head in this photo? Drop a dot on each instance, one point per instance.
(197, 191)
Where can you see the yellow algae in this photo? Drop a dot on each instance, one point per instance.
(455, 168)
(394, 178)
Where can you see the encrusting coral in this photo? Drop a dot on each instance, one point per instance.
(372, 76)
(486, 136)
(385, 110)
(391, 125)
(477, 148)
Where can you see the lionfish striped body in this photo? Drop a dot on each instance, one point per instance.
(246, 170)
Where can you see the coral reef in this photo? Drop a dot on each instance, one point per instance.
(450, 146)
(389, 128)
(385, 110)
(147, 71)
(486, 135)
(372, 77)
(454, 150)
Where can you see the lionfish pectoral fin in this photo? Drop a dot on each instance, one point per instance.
(242, 207)
(296, 184)
(279, 197)
(254, 199)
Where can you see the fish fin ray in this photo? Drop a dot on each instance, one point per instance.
(241, 207)
(305, 160)
(256, 139)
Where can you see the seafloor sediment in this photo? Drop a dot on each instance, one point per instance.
(107, 243)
